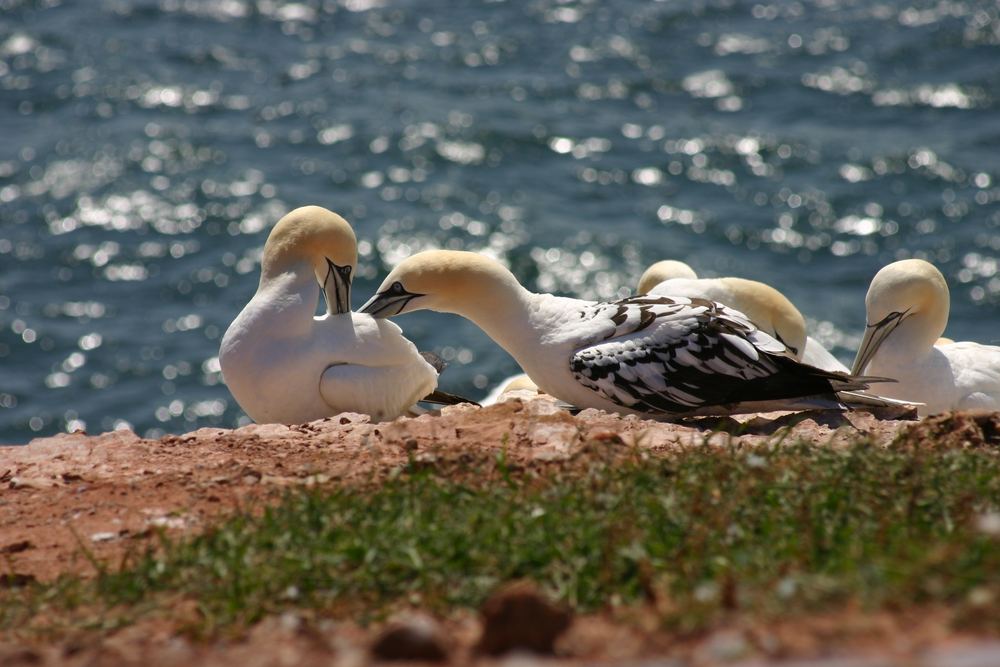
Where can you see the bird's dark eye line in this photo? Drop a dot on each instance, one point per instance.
(895, 315)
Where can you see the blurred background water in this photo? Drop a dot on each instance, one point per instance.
(146, 147)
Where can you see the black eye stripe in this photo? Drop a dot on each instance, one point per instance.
(888, 318)
(346, 268)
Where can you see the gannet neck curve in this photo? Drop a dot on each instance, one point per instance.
(291, 295)
(772, 307)
(459, 282)
(918, 289)
(666, 269)
(907, 301)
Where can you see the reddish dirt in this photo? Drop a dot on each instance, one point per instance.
(68, 495)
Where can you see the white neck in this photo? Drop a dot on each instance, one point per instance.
(289, 292)
(505, 315)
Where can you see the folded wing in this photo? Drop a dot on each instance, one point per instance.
(676, 355)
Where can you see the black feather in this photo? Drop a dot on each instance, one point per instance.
(700, 330)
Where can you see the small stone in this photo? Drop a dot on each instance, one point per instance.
(519, 617)
(979, 654)
(164, 521)
(459, 409)
(19, 655)
(411, 637)
(726, 646)
(15, 580)
(103, 537)
(32, 483)
(16, 547)
(605, 436)
(558, 434)
(541, 407)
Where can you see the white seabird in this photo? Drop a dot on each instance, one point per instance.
(284, 364)
(765, 306)
(907, 310)
(517, 382)
(649, 355)
(665, 269)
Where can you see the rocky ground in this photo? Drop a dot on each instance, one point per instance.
(71, 501)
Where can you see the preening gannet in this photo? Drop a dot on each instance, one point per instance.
(666, 269)
(650, 355)
(766, 307)
(284, 364)
(518, 382)
(907, 310)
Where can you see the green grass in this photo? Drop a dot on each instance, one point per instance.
(771, 531)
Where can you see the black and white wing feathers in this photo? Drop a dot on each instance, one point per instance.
(676, 355)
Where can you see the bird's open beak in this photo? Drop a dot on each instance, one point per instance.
(388, 302)
(337, 288)
(875, 335)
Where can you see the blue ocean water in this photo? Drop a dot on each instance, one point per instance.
(147, 146)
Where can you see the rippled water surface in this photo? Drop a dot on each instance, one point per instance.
(146, 148)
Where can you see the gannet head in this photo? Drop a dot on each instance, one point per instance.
(449, 281)
(769, 310)
(666, 269)
(908, 290)
(324, 240)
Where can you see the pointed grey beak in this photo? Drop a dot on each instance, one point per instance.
(337, 288)
(875, 335)
(390, 301)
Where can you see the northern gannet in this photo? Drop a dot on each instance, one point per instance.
(907, 310)
(649, 355)
(518, 382)
(765, 306)
(284, 364)
(665, 269)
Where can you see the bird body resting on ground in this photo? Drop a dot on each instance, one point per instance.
(283, 363)
(648, 355)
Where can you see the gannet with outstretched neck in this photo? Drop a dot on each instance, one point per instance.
(656, 356)
(765, 306)
(907, 310)
(284, 364)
